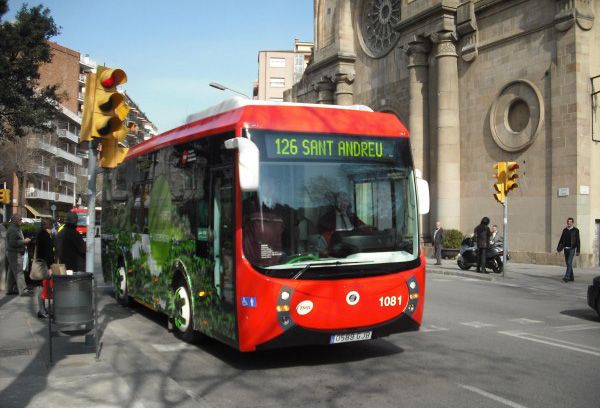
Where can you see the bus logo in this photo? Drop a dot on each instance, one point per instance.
(304, 307)
(352, 298)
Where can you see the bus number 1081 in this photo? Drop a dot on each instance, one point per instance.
(390, 301)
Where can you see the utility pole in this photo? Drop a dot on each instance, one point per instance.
(91, 217)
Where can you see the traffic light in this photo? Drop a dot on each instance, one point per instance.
(499, 185)
(114, 148)
(4, 196)
(511, 176)
(104, 107)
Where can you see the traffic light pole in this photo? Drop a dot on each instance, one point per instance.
(505, 236)
(91, 218)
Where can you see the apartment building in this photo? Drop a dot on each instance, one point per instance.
(53, 159)
(280, 70)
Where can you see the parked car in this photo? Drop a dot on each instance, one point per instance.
(593, 295)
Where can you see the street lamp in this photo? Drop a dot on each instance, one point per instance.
(223, 87)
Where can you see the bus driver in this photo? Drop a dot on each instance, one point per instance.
(338, 217)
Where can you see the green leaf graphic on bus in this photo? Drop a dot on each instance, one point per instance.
(161, 220)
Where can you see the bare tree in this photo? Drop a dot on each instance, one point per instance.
(18, 158)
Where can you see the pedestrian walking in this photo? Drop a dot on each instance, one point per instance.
(16, 246)
(438, 239)
(3, 276)
(45, 253)
(482, 239)
(70, 248)
(570, 244)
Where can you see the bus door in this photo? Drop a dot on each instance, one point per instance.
(222, 241)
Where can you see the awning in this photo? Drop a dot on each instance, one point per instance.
(36, 213)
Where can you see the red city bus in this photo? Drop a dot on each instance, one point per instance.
(270, 225)
(82, 218)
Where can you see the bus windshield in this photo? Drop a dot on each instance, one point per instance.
(328, 200)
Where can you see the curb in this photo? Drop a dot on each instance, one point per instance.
(439, 271)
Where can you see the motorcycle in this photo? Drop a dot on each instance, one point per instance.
(469, 256)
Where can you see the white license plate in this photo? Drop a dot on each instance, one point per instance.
(346, 337)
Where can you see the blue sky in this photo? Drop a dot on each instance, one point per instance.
(172, 50)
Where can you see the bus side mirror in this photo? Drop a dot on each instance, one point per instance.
(247, 162)
(422, 193)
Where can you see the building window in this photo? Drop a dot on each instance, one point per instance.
(277, 82)
(277, 62)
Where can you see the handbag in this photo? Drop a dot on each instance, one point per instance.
(39, 268)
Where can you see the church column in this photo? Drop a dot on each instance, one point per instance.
(447, 193)
(343, 88)
(418, 72)
(324, 90)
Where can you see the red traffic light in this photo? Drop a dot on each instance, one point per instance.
(109, 78)
(512, 166)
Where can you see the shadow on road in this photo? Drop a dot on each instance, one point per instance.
(584, 314)
(287, 357)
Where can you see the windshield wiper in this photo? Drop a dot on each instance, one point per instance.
(333, 263)
(301, 271)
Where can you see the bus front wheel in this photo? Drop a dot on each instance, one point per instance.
(182, 319)
(121, 293)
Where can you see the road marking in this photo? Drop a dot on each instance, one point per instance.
(477, 325)
(432, 328)
(581, 348)
(491, 396)
(171, 347)
(576, 327)
(524, 321)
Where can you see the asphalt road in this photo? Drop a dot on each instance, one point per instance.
(523, 342)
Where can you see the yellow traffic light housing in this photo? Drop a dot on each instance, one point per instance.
(4, 196)
(114, 148)
(104, 107)
(499, 184)
(511, 176)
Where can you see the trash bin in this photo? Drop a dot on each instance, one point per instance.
(73, 298)
(73, 310)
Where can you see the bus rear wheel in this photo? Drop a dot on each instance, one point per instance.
(121, 293)
(183, 316)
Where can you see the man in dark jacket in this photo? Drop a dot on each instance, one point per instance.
(70, 248)
(482, 238)
(15, 249)
(569, 242)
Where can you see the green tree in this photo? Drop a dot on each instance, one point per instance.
(24, 104)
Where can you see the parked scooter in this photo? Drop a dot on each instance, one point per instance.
(469, 256)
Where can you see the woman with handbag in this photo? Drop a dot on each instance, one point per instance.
(43, 258)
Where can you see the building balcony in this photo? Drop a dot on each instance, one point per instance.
(69, 178)
(40, 169)
(82, 78)
(36, 193)
(65, 134)
(58, 152)
(64, 198)
(80, 96)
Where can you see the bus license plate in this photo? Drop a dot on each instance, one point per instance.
(346, 337)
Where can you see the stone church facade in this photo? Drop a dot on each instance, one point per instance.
(478, 82)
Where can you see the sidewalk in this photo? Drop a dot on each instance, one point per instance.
(512, 271)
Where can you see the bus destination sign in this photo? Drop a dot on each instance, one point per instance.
(328, 147)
